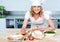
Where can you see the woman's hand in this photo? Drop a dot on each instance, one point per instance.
(51, 24)
(23, 31)
(50, 28)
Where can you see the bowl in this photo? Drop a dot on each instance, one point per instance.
(50, 33)
(37, 34)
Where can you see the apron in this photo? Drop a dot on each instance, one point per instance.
(41, 25)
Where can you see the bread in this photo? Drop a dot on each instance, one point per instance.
(15, 37)
(10, 38)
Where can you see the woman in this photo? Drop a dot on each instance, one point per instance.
(38, 18)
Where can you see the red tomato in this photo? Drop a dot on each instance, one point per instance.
(31, 38)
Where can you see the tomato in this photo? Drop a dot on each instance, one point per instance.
(31, 38)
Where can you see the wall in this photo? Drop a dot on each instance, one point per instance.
(18, 5)
(2, 24)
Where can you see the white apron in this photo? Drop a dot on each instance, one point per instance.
(44, 24)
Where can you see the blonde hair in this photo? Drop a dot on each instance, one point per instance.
(32, 11)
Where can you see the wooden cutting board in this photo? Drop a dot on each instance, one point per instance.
(43, 40)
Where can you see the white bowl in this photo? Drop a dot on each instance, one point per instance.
(49, 35)
(37, 34)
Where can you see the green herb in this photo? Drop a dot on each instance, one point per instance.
(50, 32)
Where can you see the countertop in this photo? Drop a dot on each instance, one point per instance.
(5, 33)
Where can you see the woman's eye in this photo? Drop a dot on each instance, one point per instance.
(38, 6)
(34, 6)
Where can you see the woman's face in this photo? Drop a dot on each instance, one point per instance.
(36, 9)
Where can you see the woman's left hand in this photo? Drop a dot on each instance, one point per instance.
(50, 28)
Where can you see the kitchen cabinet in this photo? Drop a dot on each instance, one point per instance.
(18, 22)
(58, 23)
(9, 23)
(15, 23)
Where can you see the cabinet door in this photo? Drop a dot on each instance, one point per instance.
(59, 23)
(10, 23)
(19, 23)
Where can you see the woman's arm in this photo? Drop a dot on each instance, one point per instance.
(25, 23)
(51, 24)
(23, 30)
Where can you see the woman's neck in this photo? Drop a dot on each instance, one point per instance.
(36, 16)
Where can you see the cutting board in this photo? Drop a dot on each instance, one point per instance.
(43, 40)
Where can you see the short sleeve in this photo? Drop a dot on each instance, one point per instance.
(27, 15)
(47, 15)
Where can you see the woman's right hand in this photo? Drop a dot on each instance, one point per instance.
(23, 31)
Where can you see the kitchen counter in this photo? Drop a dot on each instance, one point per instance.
(5, 33)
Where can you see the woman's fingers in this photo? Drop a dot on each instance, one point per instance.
(50, 28)
(23, 31)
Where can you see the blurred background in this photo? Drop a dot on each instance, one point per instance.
(12, 12)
